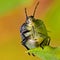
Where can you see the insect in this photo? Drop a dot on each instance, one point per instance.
(33, 32)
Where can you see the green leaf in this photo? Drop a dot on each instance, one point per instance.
(48, 53)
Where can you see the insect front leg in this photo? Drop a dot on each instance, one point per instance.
(23, 43)
(24, 40)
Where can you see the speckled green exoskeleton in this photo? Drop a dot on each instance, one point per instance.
(34, 33)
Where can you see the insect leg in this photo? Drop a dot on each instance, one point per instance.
(49, 40)
(27, 48)
(33, 54)
(23, 43)
(45, 42)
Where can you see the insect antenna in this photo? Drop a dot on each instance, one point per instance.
(26, 13)
(35, 8)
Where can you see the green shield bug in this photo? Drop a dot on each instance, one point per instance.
(33, 32)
